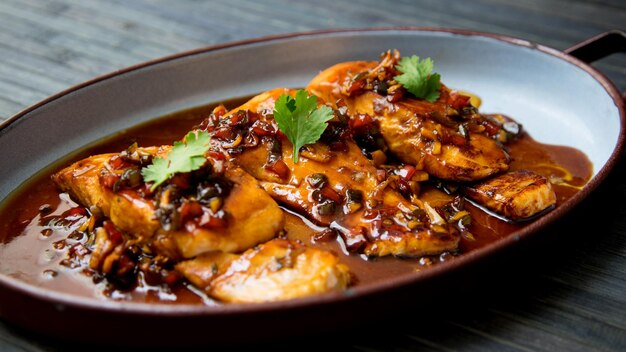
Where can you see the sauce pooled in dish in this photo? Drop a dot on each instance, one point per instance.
(375, 169)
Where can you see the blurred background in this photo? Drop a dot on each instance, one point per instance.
(568, 294)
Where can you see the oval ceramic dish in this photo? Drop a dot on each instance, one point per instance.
(574, 105)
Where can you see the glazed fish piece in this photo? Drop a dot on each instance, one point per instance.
(83, 181)
(448, 138)
(276, 270)
(333, 184)
(176, 221)
(517, 195)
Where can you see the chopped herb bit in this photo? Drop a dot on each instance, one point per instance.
(417, 77)
(301, 120)
(184, 157)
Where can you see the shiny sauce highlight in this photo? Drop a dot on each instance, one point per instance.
(32, 251)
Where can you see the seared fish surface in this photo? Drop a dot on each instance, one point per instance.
(276, 270)
(516, 195)
(333, 183)
(389, 175)
(448, 143)
(447, 138)
(234, 222)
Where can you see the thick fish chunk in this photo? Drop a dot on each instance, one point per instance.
(127, 210)
(251, 216)
(333, 184)
(276, 270)
(447, 138)
(517, 195)
(416, 131)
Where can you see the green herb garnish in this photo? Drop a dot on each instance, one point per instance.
(184, 157)
(418, 79)
(300, 119)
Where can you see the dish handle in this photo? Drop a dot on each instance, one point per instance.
(600, 46)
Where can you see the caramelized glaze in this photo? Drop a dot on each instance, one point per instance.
(33, 254)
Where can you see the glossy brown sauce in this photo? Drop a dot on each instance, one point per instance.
(33, 254)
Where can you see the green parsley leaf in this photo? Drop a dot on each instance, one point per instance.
(184, 157)
(300, 119)
(418, 79)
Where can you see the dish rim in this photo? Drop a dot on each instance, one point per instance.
(185, 310)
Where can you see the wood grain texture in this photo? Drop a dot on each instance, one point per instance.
(563, 292)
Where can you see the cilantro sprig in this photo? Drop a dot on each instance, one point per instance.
(417, 77)
(301, 120)
(184, 157)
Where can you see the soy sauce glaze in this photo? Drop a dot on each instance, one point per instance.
(35, 221)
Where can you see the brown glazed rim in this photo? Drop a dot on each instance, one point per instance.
(187, 310)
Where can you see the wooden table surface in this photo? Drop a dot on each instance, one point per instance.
(566, 293)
